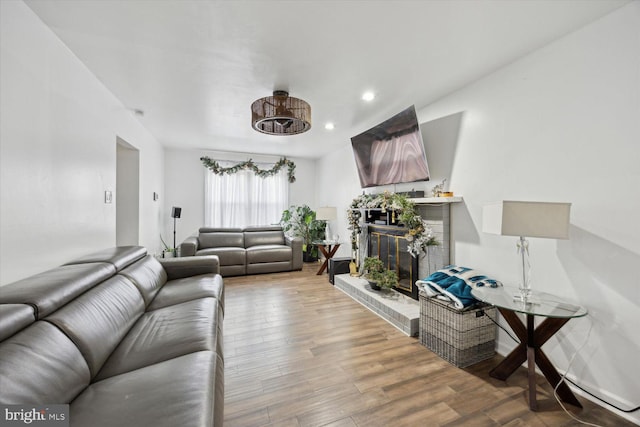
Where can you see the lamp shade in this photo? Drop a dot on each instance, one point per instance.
(326, 213)
(528, 219)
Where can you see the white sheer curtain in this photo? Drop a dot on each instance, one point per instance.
(243, 198)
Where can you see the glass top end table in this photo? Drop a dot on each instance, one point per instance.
(538, 304)
(556, 313)
(328, 249)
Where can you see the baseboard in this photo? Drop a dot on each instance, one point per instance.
(503, 349)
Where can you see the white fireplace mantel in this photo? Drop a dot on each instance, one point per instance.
(436, 200)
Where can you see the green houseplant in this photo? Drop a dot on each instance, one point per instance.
(300, 221)
(377, 275)
(167, 252)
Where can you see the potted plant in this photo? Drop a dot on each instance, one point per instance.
(377, 275)
(300, 221)
(167, 252)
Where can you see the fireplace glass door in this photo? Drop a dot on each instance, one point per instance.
(388, 244)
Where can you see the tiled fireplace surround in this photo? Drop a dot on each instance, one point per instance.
(402, 311)
(388, 243)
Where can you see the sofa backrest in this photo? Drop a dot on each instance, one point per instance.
(48, 291)
(86, 308)
(40, 364)
(97, 320)
(148, 276)
(263, 235)
(14, 318)
(220, 237)
(119, 256)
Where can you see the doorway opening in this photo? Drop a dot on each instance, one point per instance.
(127, 193)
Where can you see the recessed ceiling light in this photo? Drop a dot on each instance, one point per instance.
(368, 96)
(329, 126)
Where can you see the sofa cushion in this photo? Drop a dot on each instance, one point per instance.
(233, 270)
(263, 237)
(220, 239)
(52, 289)
(97, 320)
(268, 253)
(41, 365)
(14, 318)
(227, 256)
(148, 276)
(268, 267)
(178, 268)
(188, 289)
(166, 333)
(220, 229)
(252, 228)
(120, 256)
(185, 391)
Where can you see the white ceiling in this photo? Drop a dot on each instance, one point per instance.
(195, 66)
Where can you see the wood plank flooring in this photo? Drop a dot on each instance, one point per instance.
(299, 352)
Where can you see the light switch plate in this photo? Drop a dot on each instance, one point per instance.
(108, 197)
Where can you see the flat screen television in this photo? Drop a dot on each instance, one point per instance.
(391, 152)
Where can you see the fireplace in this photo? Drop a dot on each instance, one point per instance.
(386, 240)
(388, 243)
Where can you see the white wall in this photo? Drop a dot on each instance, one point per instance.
(561, 124)
(58, 152)
(185, 175)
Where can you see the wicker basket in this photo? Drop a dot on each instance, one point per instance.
(461, 337)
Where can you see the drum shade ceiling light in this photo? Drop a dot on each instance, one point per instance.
(280, 114)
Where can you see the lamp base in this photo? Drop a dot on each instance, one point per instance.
(525, 293)
(525, 271)
(525, 297)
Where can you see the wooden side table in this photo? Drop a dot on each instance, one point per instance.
(556, 314)
(328, 249)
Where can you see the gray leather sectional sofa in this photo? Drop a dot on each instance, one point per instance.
(123, 338)
(249, 250)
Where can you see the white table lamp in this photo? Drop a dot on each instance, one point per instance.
(327, 213)
(526, 219)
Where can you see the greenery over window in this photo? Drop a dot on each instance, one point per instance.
(215, 167)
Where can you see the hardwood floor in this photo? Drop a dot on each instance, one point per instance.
(299, 352)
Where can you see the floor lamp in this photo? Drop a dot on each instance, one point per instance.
(526, 219)
(175, 213)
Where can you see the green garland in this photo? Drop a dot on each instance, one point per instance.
(419, 233)
(215, 167)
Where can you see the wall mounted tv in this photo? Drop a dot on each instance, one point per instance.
(391, 152)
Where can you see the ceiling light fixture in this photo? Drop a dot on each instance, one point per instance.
(329, 126)
(368, 96)
(280, 114)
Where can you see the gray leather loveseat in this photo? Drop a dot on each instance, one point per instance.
(122, 338)
(249, 250)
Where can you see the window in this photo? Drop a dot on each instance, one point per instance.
(243, 199)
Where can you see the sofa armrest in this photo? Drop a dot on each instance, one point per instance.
(296, 249)
(189, 247)
(179, 268)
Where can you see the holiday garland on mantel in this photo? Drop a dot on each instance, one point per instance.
(419, 234)
(215, 167)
